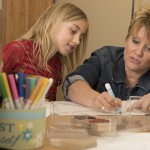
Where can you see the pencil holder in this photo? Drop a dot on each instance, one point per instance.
(22, 129)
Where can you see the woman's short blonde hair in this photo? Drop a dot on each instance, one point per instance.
(140, 19)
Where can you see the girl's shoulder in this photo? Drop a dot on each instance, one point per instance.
(17, 45)
(17, 49)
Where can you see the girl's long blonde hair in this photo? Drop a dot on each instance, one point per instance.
(44, 35)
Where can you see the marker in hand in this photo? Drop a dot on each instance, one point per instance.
(109, 89)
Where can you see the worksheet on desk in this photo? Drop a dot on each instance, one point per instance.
(71, 108)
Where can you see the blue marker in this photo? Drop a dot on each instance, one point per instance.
(109, 89)
(27, 89)
(20, 88)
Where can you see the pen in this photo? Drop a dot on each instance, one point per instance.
(14, 90)
(8, 92)
(109, 89)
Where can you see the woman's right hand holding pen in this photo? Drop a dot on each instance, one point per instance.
(105, 102)
(80, 92)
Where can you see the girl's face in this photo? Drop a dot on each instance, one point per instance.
(137, 52)
(70, 35)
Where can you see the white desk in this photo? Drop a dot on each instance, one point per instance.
(122, 141)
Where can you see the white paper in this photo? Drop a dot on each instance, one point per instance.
(71, 108)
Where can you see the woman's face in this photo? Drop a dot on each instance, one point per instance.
(70, 35)
(137, 52)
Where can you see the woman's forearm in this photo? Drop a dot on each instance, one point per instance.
(80, 92)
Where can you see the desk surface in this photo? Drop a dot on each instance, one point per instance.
(138, 140)
(47, 145)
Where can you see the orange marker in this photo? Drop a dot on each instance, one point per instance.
(39, 95)
(34, 93)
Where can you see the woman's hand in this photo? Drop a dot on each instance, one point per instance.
(143, 104)
(105, 102)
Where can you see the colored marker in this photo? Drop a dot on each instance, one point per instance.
(3, 92)
(1, 101)
(3, 104)
(20, 88)
(14, 90)
(109, 89)
(42, 99)
(27, 90)
(34, 93)
(8, 91)
(39, 95)
(33, 81)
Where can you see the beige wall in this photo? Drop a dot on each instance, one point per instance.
(109, 21)
(141, 3)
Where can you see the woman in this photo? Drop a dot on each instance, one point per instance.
(126, 69)
(56, 43)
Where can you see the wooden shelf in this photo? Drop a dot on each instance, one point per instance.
(18, 16)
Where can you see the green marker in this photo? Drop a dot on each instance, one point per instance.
(3, 92)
